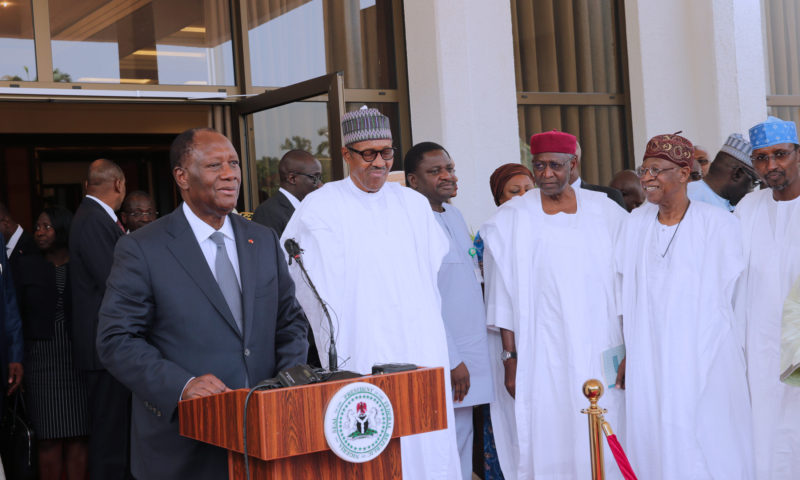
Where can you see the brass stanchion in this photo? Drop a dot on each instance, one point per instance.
(593, 390)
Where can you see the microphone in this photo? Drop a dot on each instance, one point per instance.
(295, 252)
(292, 248)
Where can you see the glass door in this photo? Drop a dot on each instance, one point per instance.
(303, 116)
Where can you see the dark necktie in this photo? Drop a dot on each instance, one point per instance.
(121, 226)
(226, 278)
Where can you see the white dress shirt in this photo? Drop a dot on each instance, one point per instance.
(109, 210)
(292, 199)
(202, 231)
(12, 241)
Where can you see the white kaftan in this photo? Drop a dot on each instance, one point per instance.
(688, 412)
(771, 239)
(374, 258)
(550, 279)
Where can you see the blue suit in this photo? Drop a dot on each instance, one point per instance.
(11, 344)
(164, 320)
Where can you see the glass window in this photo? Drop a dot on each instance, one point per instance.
(783, 56)
(783, 47)
(296, 126)
(146, 42)
(17, 52)
(295, 40)
(600, 131)
(566, 46)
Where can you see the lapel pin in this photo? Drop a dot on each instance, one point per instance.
(250, 241)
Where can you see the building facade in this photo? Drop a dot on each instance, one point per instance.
(119, 78)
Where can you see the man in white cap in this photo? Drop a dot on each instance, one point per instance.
(373, 249)
(770, 220)
(730, 177)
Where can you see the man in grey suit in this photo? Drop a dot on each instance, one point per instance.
(300, 174)
(197, 303)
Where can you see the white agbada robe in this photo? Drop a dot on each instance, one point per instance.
(550, 279)
(771, 238)
(688, 411)
(374, 258)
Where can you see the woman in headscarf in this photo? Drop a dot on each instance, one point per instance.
(508, 181)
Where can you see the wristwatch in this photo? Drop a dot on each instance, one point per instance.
(506, 355)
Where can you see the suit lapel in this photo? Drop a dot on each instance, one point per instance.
(286, 204)
(248, 259)
(187, 252)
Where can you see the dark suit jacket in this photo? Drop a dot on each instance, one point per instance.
(274, 213)
(11, 345)
(25, 245)
(92, 237)
(164, 320)
(612, 193)
(37, 296)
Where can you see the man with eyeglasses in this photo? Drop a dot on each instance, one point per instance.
(729, 178)
(138, 209)
(548, 262)
(770, 220)
(677, 263)
(373, 249)
(300, 173)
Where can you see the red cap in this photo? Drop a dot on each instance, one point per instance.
(553, 142)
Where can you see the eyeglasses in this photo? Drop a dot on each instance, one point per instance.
(139, 213)
(42, 226)
(316, 178)
(654, 172)
(370, 155)
(755, 181)
(778, 156)
(701, 161)
(554, 166)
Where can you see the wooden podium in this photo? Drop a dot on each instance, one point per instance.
(285, 435)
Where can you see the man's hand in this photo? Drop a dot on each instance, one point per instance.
(203, 386)
(510, 366)
(621, 374)
(459, 378)
(15, 372)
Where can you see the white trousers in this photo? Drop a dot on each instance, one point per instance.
(464, 436)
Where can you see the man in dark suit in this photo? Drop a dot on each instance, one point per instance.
(94, 232)
(11, 344)
(300, 174)
(576, 182)
(198, 302)
(19, 242)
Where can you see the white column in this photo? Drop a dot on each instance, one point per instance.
(696, 66)
(462, 91)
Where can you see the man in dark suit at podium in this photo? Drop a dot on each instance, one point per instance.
(300, 174)
(198, 302)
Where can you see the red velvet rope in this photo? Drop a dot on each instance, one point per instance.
(619, 455)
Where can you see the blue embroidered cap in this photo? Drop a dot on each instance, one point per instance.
(773, 132)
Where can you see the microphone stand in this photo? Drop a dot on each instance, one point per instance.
(294, 251)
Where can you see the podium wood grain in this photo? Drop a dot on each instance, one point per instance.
(285, 431)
